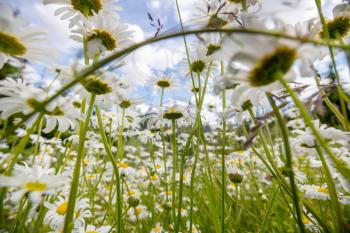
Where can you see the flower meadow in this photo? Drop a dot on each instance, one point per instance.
(247, 131)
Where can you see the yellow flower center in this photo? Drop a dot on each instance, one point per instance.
(138, 211)
(163, 83)
(62, 208)
(123, 165)
(153, 178)
(169, 193)
(91, 232)
(197, 66)
(337, 28)
(272, 66)
(131, 192)
(158, 166)
(212, 48)
(10, 45)
(172, 114)
(106, 39)
(87, 7)
(157, 229)
(216, 22)
(35, 186)
(322, 190)
(125, 104)
(94, 85)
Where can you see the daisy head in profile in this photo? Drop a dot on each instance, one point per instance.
(260, 62)
(219, 13)
(102, 34)
(34, 182)
(76, 10)
(57, 212)
(338, 27)
(21, 97)
(200, 60)
(166, 82)
(93, 229)
(19, 41)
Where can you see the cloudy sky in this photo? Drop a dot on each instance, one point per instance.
(141, 64)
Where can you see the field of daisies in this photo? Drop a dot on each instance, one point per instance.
(248, 131)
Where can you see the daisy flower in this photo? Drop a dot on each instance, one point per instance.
(260, 62)
(65, 116)
(338, 27)
(199, 61)
(329, 133)
(19, 96)
(211, 44)
(76, 10)
(140, 212)
(218, 14)
(34, 181)
(315, 192)
(93, 229)
(57, 211)
(163, 82)
(19, 41)
(235, 174)
(102, 34)
(157, 229)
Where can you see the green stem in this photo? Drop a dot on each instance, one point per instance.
(268, 209)
(164, 150)
(192, 183)
(120, 137)
(289, 162)
(336, 209)
(68, 221)
(223, 163)
(173, 126)
(115, 167)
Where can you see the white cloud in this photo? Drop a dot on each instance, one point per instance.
(57, 29)
(186, 9)
(139, 64)
(138, 34)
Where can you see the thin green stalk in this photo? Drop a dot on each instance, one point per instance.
(223, 163)
(193, 172)
(115, 167)
(86, 58)
(268, 209)
(19, 227)
(164, 150)
(36, 148)
(68, 221)
(173, 140)
(336, 208)
(178, 221)
(120, 137)
(289, 162)
(330, 105)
